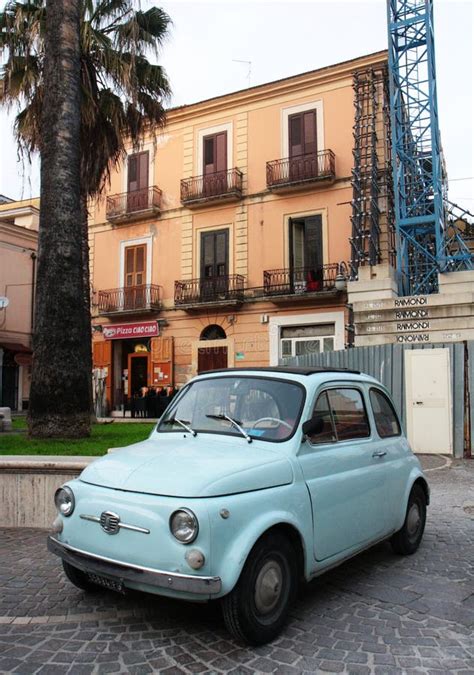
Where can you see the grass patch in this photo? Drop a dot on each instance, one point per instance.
(103, 437)
(19, 423)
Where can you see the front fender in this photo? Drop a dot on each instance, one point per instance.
(416, 474)
(250, 516)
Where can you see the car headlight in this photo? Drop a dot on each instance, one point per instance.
(184, 526)
(64, 500)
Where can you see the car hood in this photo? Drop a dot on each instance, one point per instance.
(191, 467)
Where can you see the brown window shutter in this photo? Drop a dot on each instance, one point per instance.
(309, 132)
(221, 151)
(162, 360)
(132, 174)
(209, 152)
(143, 159)
(135, 265)
(295, 123)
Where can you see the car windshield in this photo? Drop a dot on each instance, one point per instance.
(251, 407)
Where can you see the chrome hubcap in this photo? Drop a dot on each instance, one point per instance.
(268, 587)
(413, 519)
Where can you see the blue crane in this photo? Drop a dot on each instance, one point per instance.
(428, 240)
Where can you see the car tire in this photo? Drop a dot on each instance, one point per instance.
(407, 540)
(256, 610)
(79, 578)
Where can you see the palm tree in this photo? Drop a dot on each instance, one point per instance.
(60, 279)
(122, 94)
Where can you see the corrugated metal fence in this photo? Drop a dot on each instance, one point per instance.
(387, 364)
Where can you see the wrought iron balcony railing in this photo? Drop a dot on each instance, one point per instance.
(292, 171)
(214, 186)
(214, 290)
(130, 299)
(130, 205)
(302, 280)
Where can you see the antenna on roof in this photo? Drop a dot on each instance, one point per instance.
(249, 72)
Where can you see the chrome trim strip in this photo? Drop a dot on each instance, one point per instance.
(134, 528)
(90, 562)
(94, 519)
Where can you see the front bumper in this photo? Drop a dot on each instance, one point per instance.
(88, 562)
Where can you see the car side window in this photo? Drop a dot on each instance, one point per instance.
(349, 414)
(385, 417)
(325, 432)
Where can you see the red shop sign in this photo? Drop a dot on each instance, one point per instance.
(124, 331)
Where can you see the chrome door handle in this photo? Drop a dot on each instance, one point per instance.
(379, 453)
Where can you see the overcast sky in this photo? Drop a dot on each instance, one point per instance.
(282, 38)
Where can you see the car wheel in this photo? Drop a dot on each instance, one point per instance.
(79, 578)
(256, 610)
(407, 540)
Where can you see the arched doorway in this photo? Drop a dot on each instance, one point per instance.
(212, 357)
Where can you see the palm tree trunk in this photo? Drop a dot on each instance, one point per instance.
(59, 401)
(87, 288)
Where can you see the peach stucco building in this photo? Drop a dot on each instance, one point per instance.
(18, 245)
(223, 242)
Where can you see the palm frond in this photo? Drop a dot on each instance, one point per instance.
(122, 92)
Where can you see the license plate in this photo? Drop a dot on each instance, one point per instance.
(107, 582)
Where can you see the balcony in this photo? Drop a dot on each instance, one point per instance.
(223, 186)
(225, 291)
(128, 206)
(130, 300)
(304, 283)
(292, 173)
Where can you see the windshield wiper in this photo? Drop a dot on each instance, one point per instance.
(172, 420)
(234, 423)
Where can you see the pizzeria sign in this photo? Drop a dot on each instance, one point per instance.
(124, 331)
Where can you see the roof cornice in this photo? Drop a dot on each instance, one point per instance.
(302, 81)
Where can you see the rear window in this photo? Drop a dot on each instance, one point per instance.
(386, 420)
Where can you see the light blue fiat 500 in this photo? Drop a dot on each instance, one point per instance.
(252, 481)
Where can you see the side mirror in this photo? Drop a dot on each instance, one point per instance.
(313, 426)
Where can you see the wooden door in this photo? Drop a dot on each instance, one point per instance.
(102, 358)
(135, 277)
(214, 264)
(212, 358)
(302, 145)
(215, 164)
(137, 189)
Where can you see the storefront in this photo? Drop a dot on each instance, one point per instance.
(132, 362)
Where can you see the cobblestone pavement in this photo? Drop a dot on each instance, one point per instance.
(378, 613)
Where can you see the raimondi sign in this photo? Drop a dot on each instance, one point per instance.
(125, 331)
(423, 318)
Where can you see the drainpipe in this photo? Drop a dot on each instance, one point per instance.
(33, 257)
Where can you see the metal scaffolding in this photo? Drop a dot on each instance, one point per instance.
(372, 240)
(424, 246)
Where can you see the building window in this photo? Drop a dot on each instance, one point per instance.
(302, 133)
(135, 265)
(302, 340)
(215, 153)
(137, 181)
(306, 249)
(214, 254)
